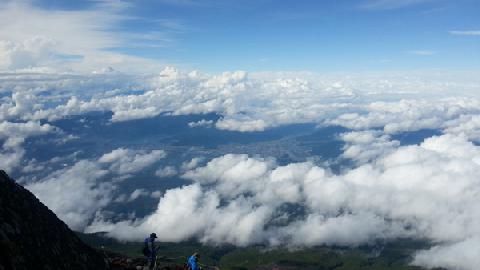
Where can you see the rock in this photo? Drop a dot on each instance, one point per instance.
(32, 237)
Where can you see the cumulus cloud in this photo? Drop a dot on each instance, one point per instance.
(11, 158)
(467, 125)
(77, 193)
(407, 115)
(166, 171)
(201, 123)
(13, 136)
(426, 191)
(460, 255)
(74, 194)
(125, 161)
(188, 165)
(367, 146)
(26, 54)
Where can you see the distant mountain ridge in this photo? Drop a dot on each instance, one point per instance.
(33, 237)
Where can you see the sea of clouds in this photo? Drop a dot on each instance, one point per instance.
(425, 191)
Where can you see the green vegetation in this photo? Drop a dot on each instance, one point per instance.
(394, 255)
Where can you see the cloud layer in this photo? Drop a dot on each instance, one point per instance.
(420, 191)
(426, 191)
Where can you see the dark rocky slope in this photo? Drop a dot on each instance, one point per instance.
(32, 237)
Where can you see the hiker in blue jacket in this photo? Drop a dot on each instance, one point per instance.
(151, 250)
(193, 262)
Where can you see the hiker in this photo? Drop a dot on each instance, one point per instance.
(193, 262)
(150, 251)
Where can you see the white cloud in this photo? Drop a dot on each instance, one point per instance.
(347, 230)
(367, 146)
(201, 123)
(11, 158)
(460, 255)
(408, 115)
(77, 193)
(426, 191)
(125, 161)
(73, 193)
(167, 171)
(467, 125)
(156, 194)
(26, 54)
(137, 193)
(191, 164)
(34, 37)
(397, 102)
(13, 136)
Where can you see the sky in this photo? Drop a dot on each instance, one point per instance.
(376, 70)
(213, 36)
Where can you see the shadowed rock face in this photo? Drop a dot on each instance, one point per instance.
(32, 237)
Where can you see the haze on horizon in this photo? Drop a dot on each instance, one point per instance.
(284, 123)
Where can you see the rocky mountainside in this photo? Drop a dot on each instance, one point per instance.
(32, 237)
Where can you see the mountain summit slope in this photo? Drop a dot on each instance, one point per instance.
(32, 237)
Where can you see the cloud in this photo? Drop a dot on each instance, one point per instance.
(467, 125)
(465, 33)
(79, 192)
(137, 193)
(201, 123)
(156, 194)
(346, 230)
(11, 158)
(408, 115)
(426, 191)
(74, 194)
(31, 37)
(248, 103)
(367, 146)
(191, 164)
(13, 136)
(460, 255)
(422, 191)
(125, 161)
(167, 171)
(27, 53)
(390, 102)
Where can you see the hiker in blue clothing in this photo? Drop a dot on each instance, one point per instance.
(193, 262)
(150, 250)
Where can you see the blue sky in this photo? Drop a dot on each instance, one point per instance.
(297, 35)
